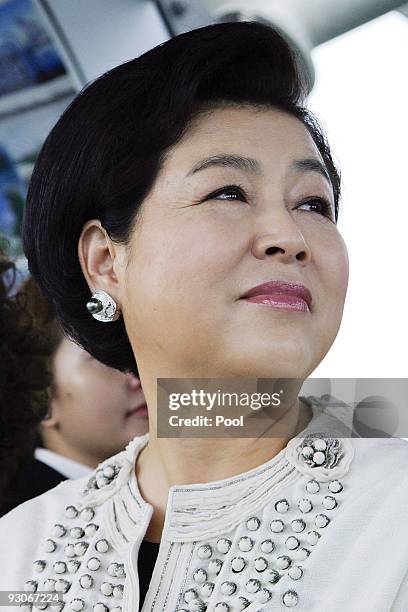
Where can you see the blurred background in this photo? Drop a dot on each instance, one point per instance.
(355, 54)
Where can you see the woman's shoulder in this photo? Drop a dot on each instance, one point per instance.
(24, 530)
(336, 419)
(329, 448)
(48, 502)
(29, 532)
(383, 461)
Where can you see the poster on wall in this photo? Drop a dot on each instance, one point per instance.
(31, 70)
(34, 85)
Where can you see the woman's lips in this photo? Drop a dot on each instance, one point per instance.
(140, 411)
(279, 300)
(281, 294)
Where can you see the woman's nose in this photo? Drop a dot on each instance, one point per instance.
(285, 241)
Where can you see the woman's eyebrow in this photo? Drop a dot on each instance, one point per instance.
(249, 164)
(311, 164)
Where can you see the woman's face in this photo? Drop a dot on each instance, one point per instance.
(206, 237)
(94, 406)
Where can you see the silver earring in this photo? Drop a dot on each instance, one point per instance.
(103, 307)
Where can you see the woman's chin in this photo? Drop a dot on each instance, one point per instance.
(273, 367)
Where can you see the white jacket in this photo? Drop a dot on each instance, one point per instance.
(322, 526)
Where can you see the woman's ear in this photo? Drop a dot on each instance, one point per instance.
(50, 421)
(97, 254)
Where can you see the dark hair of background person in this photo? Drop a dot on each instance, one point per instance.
(102, 157)
(29, 336)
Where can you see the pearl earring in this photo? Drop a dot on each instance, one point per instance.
(103, 307)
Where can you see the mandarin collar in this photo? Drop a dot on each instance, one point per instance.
(323, 450)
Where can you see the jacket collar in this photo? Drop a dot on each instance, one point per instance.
(203, 510)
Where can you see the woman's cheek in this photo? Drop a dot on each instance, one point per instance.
(334, 261)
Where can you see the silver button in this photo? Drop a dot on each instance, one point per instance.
(245, 544)
(76, 533)
(283, 561)
(204, 551)
(58, 531)
(277, 526)
(271, 575)
(329, 502)
(267, 546)
(86, 581)
(50, 546)
(62, 586)
(39, 565)
(290, 599)
(253, 585)
(260, 564)
(282, 505)
(228, 587)
(60, 567)
(238, 564)
(295, 572)
(223, 545)
(102, 546)
(305, 505)
(321, 520)
(214, 566)
(253, 523)
(77, 605)
(298, 525)
(107, 589)
(292, 543)
(200, 575)
(71, 512)
(93, 564)
(118, 591)
(263, 595)
(335, 486)
(312, 486)
(87, 514)
(207, 589)
(31, 585)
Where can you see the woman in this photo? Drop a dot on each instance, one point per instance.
(93, 410)
(175, 184)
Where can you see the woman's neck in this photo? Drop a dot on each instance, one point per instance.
(165, 462)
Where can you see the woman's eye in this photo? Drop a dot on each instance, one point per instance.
(236, 193)
(233, 190)
(323, 206)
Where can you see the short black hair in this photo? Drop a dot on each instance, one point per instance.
(103, 155)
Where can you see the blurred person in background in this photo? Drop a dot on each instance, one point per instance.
(85, 411)
(22, 382)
